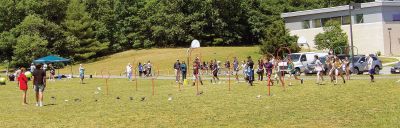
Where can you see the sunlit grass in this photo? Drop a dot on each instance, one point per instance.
(358, 103)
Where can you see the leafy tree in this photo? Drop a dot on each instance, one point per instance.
(278, 36)
(332, 37)
(28, 48)
(82, 31)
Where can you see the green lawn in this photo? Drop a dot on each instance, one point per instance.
(163, 59)
(388, 60)
(359, 103)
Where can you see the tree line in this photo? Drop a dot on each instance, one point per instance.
(85, 29)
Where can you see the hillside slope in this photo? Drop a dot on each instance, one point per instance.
(162, 59)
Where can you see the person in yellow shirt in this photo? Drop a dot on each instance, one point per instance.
(337, 65)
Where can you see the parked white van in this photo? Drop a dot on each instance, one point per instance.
(301, 60)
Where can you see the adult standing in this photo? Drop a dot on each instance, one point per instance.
(183, 70)
(32, 68)
(371, 69)
(149, 67)
(129, 71)
(140, 69)
(268, 70)
(39, 84)
(81, 73)
(177, 68)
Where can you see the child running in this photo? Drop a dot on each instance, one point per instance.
(338, 69)
(23, 84)
(196, 72)
(268, 70)
(319, 68)
(214, 71)
(292, 72)
(250, 71)
(346, 65)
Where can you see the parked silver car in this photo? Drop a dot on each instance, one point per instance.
(360, 64)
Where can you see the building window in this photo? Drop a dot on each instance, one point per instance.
(306, 24)
(396, 17)
(346, 20)
(359, 18)
(317, 23)
(324, 21)
(337, 19)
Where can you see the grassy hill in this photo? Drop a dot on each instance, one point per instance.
(162, 59)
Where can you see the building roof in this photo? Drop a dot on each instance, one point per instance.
(339, 8)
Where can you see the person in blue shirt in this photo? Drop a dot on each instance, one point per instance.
(140, 68)
(183, 70)
(81, 73)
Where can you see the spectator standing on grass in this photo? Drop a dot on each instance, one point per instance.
(39, 84)
(23, 84)
(177, 68)
(81, 73)
(183, 70)
(129, 71)
(371, 69)
(44, 67)
(268, 70)
(260, 70)
(236, 68)
(149, 67)
(140, 69)
(52, 72)
(32, 68)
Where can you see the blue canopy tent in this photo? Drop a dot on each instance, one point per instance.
(52, 59)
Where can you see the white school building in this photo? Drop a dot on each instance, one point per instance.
(376, 25)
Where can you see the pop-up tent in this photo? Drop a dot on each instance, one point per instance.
(51, 59)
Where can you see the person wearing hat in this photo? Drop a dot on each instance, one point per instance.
(177, 68)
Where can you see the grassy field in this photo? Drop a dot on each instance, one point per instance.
(359, 103)
(163, 59)
(388, 59)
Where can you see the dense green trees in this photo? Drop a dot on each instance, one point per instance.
(333, 36)
(84, 29)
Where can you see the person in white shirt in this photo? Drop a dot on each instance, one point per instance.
(129, 71)
(371, 69)
(319, 67)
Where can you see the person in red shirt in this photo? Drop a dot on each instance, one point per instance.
(23, 84)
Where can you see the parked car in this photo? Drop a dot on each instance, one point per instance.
(310, 69)
(395, 69)
(360, 64)
(301, 60)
